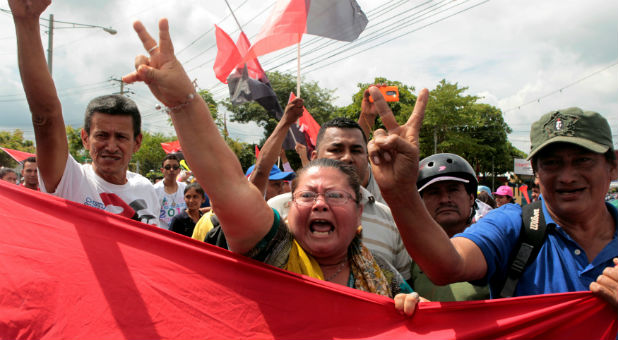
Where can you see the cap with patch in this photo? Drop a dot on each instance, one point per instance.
(584, 128)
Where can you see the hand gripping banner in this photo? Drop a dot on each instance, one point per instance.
(68, 271)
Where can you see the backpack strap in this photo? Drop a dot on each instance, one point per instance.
(532, 237)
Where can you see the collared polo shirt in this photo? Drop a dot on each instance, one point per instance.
(561, 265)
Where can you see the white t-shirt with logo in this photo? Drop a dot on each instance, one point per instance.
(135, 199)
(171, 204)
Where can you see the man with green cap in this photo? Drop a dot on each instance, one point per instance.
(573, 157)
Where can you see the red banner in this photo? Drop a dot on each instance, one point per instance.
(17, 155)
(68, 271)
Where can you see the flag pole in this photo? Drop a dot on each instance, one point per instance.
(298, 70)
(297, 83)
(234, 16)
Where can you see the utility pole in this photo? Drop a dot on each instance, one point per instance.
(50, 35)
(121, 84)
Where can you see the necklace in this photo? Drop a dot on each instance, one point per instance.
(341, 266)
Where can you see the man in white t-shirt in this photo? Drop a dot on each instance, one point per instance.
(170, 191)
(111, 134)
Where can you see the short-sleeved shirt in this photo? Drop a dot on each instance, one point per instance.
(561, 265)
(182, 224)
(380, 233)
(171, 204)
(135, 199)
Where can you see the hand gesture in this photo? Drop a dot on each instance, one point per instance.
(28, 8)
(406, 304)
(301, 149)
(368, 114)
(162, 72)
(606, 285)
(395, 155)
(368, 109)
(293, 111)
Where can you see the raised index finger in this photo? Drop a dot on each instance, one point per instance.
(147, 41)
(385, 112)
(413, 126)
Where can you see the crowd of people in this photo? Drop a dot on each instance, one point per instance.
(364, 214)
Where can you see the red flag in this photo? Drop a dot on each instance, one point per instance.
(257, 152)
(524, 191)
(253, 66)
(92, 274)
(17, 155)
(171, 147)
(307, 124)
(227, 55)
(335, 19)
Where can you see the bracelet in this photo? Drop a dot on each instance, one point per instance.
(169, 110)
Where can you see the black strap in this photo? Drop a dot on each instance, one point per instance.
(533, 233)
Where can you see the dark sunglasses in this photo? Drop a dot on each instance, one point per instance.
(169, 167)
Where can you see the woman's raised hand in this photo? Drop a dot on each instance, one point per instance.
(161, 71)
(394, 153)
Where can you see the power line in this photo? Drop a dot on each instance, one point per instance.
(308, 67)
(210, 30)
(215, 44)
(538, 100)
(375, 33)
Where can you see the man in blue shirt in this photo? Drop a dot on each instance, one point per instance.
(572, 155)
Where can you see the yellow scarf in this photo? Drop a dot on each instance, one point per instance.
(301, 263)
(368, 275)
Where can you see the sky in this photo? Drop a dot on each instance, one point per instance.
(525, 57)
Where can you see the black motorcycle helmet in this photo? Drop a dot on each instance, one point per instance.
(444, 167)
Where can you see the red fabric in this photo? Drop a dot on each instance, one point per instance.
(227, 55)
(524, 190)
(17, 155)
(253, 66)
(284, 27)
(257, 152)
(70, 271)
(171, 147)
(307, 124)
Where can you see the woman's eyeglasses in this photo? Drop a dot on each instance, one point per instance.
(332, 197)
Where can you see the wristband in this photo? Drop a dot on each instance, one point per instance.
(169, 110)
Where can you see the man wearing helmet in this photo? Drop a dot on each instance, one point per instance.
(448, 185)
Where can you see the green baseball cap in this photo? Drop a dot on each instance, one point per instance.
(573, 125)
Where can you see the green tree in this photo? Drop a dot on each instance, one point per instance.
(150, 154)
(76, 147)
(401, 109)
(13, 140)
(318, 101)
(244, 152)
(456, 123)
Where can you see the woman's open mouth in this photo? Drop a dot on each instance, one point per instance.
(321, 227)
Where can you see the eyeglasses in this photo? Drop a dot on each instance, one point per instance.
(332, 197)
(169, 167)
